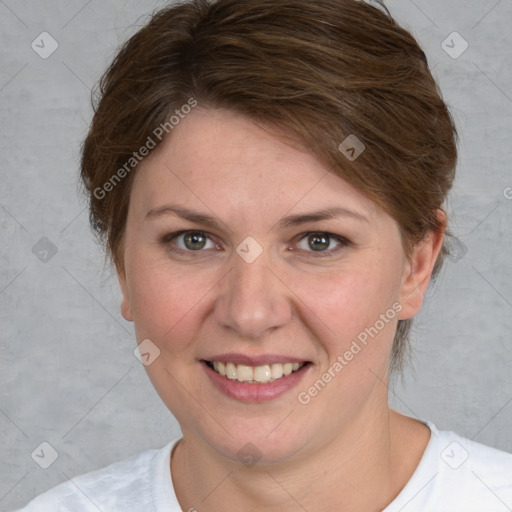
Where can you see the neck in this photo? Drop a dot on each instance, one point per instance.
(363, 469)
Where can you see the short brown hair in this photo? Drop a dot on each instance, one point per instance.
(316, 71)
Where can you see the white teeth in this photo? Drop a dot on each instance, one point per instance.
(231, 371)
(244, 373)
(255, 374)
(277, 371)
(262, 373)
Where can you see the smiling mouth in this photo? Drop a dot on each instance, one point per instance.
(254, 374)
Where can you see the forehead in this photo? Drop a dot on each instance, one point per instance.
(224, 161)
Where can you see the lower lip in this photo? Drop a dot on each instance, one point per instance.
(255, 393)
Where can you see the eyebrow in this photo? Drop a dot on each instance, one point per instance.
(285, 222)
(325, 214)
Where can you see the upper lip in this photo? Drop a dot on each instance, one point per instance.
(259, 360)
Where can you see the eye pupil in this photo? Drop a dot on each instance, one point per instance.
(318, 242)
(194, 241)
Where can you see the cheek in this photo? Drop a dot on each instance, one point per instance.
(170, 304)
(166, 303)
(349, 303)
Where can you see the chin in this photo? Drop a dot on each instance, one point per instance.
(261, 442)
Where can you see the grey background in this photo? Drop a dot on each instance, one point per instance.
(67, 370)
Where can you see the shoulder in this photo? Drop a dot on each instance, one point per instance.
(457, 474)
(475, 466)
(124, 485)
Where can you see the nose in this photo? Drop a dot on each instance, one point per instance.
(252, 300)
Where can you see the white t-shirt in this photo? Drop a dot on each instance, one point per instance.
(454, 475)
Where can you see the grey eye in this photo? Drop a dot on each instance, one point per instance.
(194, 241)
(189, 241)
(318, 241)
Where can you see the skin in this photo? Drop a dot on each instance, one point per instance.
(344, 450)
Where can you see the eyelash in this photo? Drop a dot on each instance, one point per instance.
(343, 242)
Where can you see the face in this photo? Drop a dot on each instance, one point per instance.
(246, 256)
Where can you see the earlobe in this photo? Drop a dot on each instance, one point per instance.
(418, 270)
(126, 310)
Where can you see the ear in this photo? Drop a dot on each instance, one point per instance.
(126, 310)
(418, 270)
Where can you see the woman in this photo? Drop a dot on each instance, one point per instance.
(269, 180)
